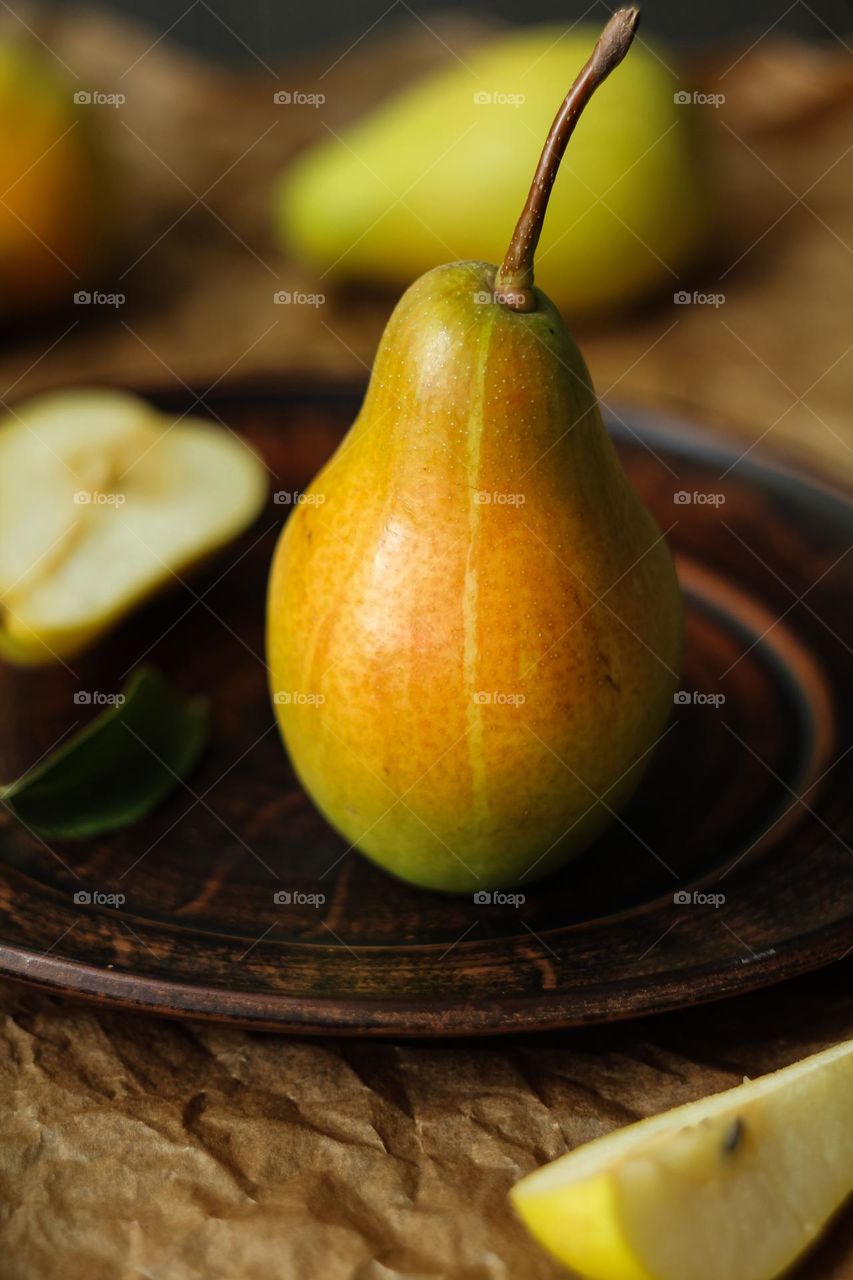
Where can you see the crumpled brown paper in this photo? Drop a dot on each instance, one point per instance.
(134, 1148)
(138, 1149)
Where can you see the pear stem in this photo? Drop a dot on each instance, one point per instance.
(514, 280)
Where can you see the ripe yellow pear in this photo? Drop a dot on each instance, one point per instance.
(474, 625)
(438, 170)
(54, 207)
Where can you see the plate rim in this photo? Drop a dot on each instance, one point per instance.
(281, 1013)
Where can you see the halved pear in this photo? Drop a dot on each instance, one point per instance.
(103, 501)
(733, 1187)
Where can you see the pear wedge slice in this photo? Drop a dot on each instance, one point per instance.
(102, 502)
(733, 1187)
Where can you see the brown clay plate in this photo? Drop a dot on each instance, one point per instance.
(731, 869)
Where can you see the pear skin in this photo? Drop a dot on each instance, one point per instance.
(474, 625)
(55, 213)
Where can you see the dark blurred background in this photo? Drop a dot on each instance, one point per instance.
(176, 194)
(233, 31)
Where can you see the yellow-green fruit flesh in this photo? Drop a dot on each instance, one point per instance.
(435, 174)
(732, 1187)
(103, 502)
(474, 626)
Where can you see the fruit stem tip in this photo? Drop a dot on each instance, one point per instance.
(514, 280)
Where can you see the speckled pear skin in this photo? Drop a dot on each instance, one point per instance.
(474, 625)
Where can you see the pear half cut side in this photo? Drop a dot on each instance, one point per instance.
(102, 502)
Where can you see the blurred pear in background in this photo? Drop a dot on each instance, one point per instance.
(440, 171)
(53, 210)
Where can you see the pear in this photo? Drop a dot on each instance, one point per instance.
(438, 171)
(474, 625)
(55, 207)
(733, 1187)
(102, 501)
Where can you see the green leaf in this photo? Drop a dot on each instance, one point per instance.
(118, 768)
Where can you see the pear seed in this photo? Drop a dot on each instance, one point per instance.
(733, 1136)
